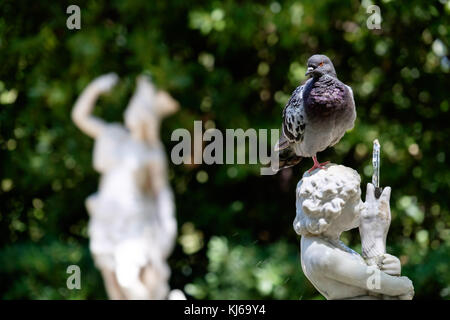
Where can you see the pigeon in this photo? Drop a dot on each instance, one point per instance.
(316, 116)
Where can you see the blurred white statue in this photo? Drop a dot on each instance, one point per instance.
(329, 203)
(132, 225)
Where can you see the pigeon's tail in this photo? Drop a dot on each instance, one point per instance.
(286, 158)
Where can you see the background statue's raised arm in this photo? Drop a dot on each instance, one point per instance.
(82, 111)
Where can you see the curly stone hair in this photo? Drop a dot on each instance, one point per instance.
(321, 196)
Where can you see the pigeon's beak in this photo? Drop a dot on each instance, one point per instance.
(308, 71)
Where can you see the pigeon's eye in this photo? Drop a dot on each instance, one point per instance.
(320, 64)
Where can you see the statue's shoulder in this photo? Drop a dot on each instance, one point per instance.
(316, 252)
(114, 131)
(109, 145)
(113, 135)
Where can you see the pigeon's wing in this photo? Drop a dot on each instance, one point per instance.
(294, 119)
(293, 128)
(286, 158)
(282, 143)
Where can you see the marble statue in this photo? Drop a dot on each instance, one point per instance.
(328, 202)
(132, 225)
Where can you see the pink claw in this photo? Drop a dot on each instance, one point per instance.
(317, 165)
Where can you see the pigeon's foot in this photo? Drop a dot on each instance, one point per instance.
(318, 165)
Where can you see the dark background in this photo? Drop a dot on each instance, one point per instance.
(231, 64)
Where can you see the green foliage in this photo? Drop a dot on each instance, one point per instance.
(251, 272)
(232, 64)
(38, 271)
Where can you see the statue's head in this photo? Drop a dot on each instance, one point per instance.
(328, 198)
(148, 106)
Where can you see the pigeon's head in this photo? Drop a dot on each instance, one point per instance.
(319, 65)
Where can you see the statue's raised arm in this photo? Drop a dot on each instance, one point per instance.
(82, 111)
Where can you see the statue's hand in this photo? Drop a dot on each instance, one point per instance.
(375, 221)
(391, 265)
(376, 216)
(105, 82)
(409, 292)
(407, 296)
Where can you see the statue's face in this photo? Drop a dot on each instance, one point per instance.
(351, 214)
(165, 104)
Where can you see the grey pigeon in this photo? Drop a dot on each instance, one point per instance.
(316, 116)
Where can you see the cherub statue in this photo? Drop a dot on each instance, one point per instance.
(329, 203)
(132, 225)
